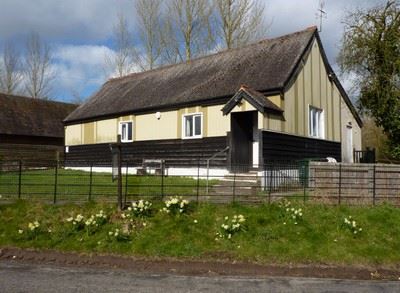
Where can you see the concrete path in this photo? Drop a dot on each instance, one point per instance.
(17, 277)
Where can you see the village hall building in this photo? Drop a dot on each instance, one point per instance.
(277, 99)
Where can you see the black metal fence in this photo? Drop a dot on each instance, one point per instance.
(78, 181)
(368, 156)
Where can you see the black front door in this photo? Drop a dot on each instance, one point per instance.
(241, 140)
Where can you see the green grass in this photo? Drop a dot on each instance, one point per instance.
(75, 185)
(318, 238)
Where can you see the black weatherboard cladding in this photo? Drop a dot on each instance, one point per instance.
(284, 147)
(175, 152)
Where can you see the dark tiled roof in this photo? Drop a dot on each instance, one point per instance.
(32, 117)
(263, 66)
(255, 98)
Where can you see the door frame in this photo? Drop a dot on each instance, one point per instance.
(244, 126)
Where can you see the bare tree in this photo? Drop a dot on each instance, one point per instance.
(38, 72)
(149, 25)
(121, 61)
(187, 30)
(10, 70)
(239, 21)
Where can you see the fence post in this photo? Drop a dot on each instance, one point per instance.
(90, 182)
(271, 169)
(120, 204)
(373, 185)
(162, 180)
(340, 183)
(55, 183)
(19, 179)
(208, 174)
(305, 182)
(126, 182)
(265, 178)
(116, 153)
(198, 180)
(234, 186)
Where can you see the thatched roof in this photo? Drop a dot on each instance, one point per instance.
(264, 66)
(32, 117)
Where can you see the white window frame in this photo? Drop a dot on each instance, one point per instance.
(184, 116)
(120, 130)
(320, 133)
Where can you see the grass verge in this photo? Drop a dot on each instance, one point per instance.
(271, 235)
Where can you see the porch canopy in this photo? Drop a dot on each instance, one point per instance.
(254, 98)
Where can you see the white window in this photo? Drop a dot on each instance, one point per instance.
(316, 122)
(126, 131)
(192, 125)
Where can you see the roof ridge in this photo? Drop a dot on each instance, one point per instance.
(2, 94)
(311, 28)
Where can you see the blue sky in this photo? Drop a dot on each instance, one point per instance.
(79, 32)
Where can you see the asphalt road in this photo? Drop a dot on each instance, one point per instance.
(17, 277)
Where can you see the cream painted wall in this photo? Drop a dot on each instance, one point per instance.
(89, 133)
(314, 88)
(73, 134)
(218, 125)
(107, 131)
(148, 127)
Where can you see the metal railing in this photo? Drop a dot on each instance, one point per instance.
(368, 156)
(79, 181)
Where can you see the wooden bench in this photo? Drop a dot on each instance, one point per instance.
(151, 165)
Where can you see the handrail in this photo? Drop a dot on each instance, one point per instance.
(208, 164)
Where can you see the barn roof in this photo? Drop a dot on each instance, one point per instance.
(32, 117)
(264, 66)
(267, 66)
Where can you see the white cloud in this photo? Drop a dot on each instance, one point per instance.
(80, 68)
(292, 15)
(83, 54)
(61, 19)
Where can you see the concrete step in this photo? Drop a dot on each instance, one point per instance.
(251, 180)
(242, 190)
(230, 184)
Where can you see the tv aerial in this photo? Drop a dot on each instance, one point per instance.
(321, 14)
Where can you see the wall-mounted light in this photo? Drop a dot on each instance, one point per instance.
(158, 115)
